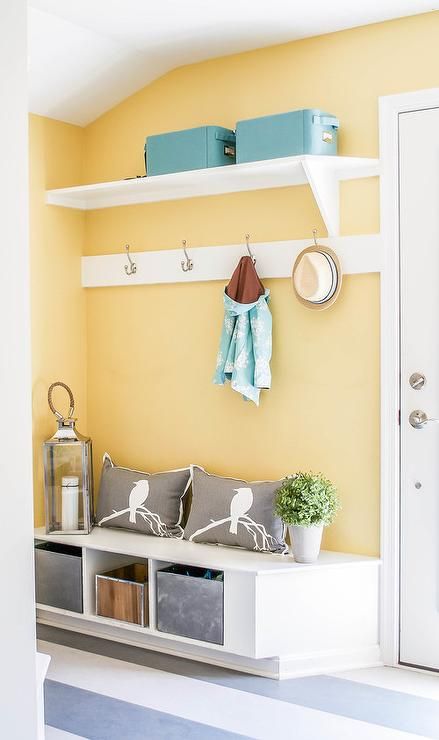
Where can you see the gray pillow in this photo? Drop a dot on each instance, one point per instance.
(229, 511)
(151, 503)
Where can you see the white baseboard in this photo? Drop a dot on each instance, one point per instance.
(276, 668)
(266, 667)
(332, 661)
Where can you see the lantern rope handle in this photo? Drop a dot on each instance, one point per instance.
(71, 400)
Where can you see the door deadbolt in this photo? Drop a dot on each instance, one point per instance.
(417, 381)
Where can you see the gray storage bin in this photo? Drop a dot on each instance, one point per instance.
(58, 575)
(190, 603)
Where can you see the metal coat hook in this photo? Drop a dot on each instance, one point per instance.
(187, 263)
(314, 234)
(250, 253)
(130, 269)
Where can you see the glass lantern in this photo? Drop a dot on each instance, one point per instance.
(68, 475)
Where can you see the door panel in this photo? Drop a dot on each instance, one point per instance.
(419, 242)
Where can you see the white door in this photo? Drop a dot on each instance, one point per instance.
(419, 243)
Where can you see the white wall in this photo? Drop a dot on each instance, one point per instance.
(17, 636)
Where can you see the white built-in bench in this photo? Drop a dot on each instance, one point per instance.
(281, 618)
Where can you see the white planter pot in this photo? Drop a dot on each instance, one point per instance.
(305, 543)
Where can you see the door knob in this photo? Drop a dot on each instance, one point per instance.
(418, 419)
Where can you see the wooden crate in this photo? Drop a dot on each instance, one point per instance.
(122, 594)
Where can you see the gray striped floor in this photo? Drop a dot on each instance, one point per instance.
(352, 704)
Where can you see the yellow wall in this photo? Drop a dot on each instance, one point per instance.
(151, 349)
(57, 300)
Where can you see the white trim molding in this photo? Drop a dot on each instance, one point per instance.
(17, 641)
(390, 108)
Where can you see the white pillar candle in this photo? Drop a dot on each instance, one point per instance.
(69, 502)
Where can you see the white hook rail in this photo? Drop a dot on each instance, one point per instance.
(357, 254)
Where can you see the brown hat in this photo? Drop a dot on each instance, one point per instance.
(244, 285)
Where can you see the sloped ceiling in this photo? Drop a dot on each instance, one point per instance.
(85, 56)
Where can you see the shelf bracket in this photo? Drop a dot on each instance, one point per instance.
(325, 186)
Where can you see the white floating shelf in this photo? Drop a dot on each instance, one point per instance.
(357, 254)
(323, 174)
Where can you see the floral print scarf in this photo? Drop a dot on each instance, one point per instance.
(245, 348)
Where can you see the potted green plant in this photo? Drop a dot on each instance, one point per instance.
(306, 502)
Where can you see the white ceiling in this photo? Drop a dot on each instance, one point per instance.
(85, 56)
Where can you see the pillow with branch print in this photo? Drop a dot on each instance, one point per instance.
(151, 503)
(229, 511)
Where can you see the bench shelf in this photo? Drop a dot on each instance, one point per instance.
(281, 618)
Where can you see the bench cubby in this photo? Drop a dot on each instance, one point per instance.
(190, 602)
(122, 594)
(58, 576)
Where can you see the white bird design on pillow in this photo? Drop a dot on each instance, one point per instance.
(237, 517)
(137, 497)
(241, 503)
(136, 507)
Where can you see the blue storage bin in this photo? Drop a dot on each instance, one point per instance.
(190, 149)
(309, 131)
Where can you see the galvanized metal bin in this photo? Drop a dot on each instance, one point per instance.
(58, 575)
(190, 603)
(122, 594)
(189, 149)
(308, 131)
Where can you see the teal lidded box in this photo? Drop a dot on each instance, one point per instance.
(190, 149)
(309, 131)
